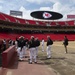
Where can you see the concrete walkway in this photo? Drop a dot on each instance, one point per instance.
(24, 68)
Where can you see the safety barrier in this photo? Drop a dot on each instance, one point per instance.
(8, 56)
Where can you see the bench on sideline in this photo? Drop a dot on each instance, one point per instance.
(8, 56)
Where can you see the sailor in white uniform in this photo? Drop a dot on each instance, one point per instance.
(42, 43)
(49, 43)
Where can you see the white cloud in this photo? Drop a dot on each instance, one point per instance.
(45, 8)
(41, 1)
(64, 7)
(57, 7)
(1, 1)
(26, 13)
(0, 7)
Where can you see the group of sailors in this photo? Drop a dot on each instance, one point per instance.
(22, 44)
(32, 45)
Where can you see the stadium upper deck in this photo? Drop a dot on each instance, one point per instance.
(8, 18)
(19, 26)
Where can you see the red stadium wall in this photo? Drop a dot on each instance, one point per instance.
(57, 37)
(8, 56)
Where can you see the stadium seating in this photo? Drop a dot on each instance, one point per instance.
(42, 23)
(55, 37)
(53, 23)
(12, 19)
(21, 21)
(31, 22)
(62, 23)
(2, 17)
(9, 18)
(71, 23)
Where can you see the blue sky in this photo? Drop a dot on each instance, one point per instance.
(64, 7)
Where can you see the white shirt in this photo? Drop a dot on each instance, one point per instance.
(42, 42)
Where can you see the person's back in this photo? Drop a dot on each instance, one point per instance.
(65, 43)
(37, 42)
(32, 50)
(49, 42)
(48, 49)
(42, 41)
(31, 43)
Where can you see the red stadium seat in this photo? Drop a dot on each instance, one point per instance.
(2, 17)
(57, 37)
(61, 23)
(71, 23)
(53, 23)
(21, 21)
(9, 18)
(41, 23)
(31, 22)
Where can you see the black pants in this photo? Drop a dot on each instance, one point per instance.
(65, 48)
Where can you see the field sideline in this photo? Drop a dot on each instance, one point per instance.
(63, 64)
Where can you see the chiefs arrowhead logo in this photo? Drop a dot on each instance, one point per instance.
(47, 15)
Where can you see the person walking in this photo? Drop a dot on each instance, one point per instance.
(37, 42)
(24, 48)
(16, 43)
(42, 43)
(32, 50)
(20, 47)
(4, 44)
(49, 43)
(65, 43)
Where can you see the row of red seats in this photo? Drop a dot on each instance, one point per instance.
(9, 18)
(56, 37)
(61, 23)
